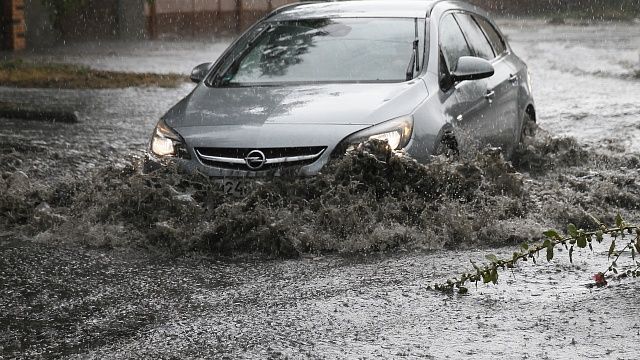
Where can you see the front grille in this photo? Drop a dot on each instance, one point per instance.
(274, 158)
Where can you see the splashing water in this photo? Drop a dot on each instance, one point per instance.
(371, 199)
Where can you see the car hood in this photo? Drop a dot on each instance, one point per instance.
(333, 104)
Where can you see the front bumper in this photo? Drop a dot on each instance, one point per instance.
(195, 165)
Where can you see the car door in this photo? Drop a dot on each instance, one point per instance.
(503, 84)
(469, 104)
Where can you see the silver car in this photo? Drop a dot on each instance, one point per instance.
(311, 79)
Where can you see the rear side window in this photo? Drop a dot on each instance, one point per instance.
(475, 36)
(497, 42)
(452, 42)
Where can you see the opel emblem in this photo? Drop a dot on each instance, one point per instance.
(255, 160)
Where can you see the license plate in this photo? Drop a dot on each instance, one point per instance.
(234, 186)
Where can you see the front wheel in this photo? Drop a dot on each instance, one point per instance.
(529, 128)
(447, 146)
(526, 136)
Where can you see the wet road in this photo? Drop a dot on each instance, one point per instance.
(163, 57)
(68, 301)
(114, 124)
(585, 80)
(118, 304)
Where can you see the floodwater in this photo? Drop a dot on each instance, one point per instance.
(586, 80)
(87, 277)
(162, 57)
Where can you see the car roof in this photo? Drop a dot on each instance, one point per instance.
(360, 8)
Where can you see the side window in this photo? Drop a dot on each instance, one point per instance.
(452, 42)
(497, 42)
(477, 40)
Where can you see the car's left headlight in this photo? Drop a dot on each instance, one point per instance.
(396, 132)
(165, 142)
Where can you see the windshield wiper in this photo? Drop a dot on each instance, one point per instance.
(414, 63)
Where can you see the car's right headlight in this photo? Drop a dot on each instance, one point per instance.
(165, 142)
(396, 132)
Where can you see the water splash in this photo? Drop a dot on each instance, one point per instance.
(370, 200)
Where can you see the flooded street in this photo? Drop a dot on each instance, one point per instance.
(112, 304)
(164, 57)
(86, 287)
(585, 80)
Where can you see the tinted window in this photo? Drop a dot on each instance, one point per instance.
(475, 36)
(494, 37)
(328, 50)
(452, 42)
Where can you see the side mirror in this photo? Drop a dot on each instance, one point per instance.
(200, 72)
(472, 68)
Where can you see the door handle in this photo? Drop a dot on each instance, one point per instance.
(490, 95)
(513, 78)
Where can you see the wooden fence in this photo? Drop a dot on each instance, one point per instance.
(12, 26)
(122, 19)
(535, 7)
(166, 18)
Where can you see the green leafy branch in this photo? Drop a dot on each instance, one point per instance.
(574, 237)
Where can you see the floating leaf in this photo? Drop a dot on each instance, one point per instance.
(486, 277)
(494, 276)
(552, 234)
(571, 255)
(599, 236)
(581, 242)
(612, 248)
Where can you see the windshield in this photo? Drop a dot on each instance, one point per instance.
(327, 50)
